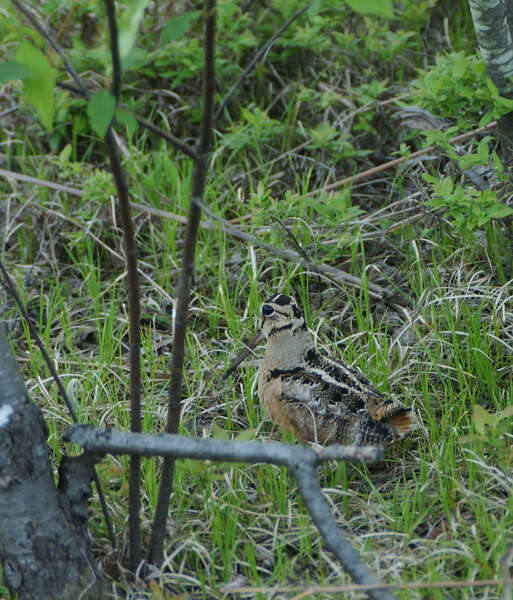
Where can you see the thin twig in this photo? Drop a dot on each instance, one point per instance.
(322, 516)
(133, 302)
(174, 141)
(393, 163)
(36, 181)
(300, 460)
(49, 38)
(259, 54)
(11, 288)
(112, 441)
(336, 275)
(155, 552)
(354, 587)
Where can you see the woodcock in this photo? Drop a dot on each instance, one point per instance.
(312, 395)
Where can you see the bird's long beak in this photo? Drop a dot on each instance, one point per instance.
(243, 354)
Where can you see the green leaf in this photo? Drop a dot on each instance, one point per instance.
(129, 25)
(246, 435)
(39, 84)
(126, 118)
(499, 211)
(481, 417)
(379, 8)
(100, 111)
(483, 151)
(13, 70)
(506, 413)
(178, 26)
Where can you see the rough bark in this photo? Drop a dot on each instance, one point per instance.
(43, 544)
(493, 23)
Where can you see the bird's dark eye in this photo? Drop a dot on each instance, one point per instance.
(267, 310)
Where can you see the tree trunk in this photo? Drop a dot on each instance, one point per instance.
(44, 547)
(493, 23)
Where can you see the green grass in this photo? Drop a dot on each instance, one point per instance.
(440, 506)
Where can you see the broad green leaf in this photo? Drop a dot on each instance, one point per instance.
(218, 433)
(13, 70)
(125, 117)
(246, 435)
(506, 413)
(38, 86)
(379, 8)
(481, 417)
(129, 25)
(100, 111)
(178, 26)
(499, 211)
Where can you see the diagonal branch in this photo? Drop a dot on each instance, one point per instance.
(174, 141)
(51, 41)
(311, 492)
(257, 57)
(134, 493)
(184, 291)
(300, 460)
(11, 288)
(336, 275)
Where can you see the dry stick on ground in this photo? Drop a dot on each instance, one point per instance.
(199, 173)
(300, 460)
(11, 288)
(259, 54)
(393, 163)
(332, 273)
(309, 591)
(134, 494)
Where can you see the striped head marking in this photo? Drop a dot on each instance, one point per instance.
(281, 313)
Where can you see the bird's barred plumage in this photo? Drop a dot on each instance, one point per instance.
(318, 398)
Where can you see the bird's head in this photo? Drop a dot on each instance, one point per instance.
(279, 314)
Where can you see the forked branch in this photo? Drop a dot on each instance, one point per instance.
(300, 460)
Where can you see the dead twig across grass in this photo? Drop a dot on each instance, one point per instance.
(300, 460)
(259, 54)
(393, 163)
(353, 587)
(332, 273)
(49, 184)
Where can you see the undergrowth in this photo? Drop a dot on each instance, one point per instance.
(325, 104)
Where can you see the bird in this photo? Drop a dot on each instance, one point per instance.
(310, 394)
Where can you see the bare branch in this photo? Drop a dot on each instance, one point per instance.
(332, 273)
(336, 541)
(184, 290)
(257, 57)
(301, 460)
(114, 49)
(11, 288)
(133, 302)
(111, 441)
(397, 161)
(174, 141)
(51, 41)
